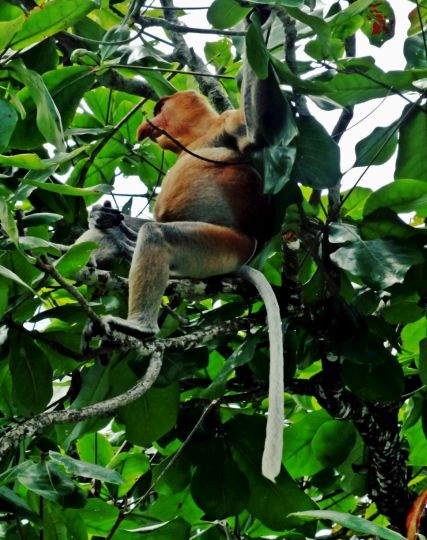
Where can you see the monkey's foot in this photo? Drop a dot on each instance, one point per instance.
(109, 324)
(129, 327)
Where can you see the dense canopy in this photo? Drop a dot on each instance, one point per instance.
(86, 450)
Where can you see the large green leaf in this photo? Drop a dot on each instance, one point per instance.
(66, 87)
(75, 259)
(333, 442)
(356, 82)
(48, 118)
(412, 145)
(378, 147)
(8, 29)
(298, 451)
(317, 162)
(48, 482)
(242, 355)
(415, 52)
(218, 486)
(380, 263)
(225, 13)
(375, 382)
(256, 50)
(353, 523)
(31, 376)
(11, 502)
(83, 468)
(403, 196)
(285, 3)
(151, 416)
(9, 117)
(270, 502)
(50, 18)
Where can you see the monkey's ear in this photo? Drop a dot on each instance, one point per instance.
(159, 105)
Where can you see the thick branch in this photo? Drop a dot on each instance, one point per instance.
(173, 25)
(113, 79)
(208, 86)
(106, 408)
(98, 410)
(378, 426)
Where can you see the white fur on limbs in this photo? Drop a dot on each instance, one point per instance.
(273, 446)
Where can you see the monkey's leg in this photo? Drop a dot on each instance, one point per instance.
(190, 249)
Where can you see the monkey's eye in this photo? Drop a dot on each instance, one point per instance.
(159, 105)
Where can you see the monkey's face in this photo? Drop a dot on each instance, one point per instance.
(180, 118)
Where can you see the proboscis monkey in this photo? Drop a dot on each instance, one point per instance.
(210, 217)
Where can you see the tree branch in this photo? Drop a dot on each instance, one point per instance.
(98, 410)
(208, 86)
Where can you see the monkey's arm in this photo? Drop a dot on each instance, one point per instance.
(108, 228)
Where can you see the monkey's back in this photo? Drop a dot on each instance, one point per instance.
(230, 195)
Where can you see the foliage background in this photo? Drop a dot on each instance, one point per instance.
(183, 460)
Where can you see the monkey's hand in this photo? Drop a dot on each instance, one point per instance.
(109, 325)
(104, 216)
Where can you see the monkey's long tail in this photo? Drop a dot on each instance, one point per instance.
(273, 446)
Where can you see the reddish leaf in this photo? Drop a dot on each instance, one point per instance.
(379, 22)
(415, 514)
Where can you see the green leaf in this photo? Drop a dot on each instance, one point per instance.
(378, 147)
(95, 384)
(225, 13)
(380, 263)
(31, 376)
(28, 243)
(95, 448)
(333, 442)
(11, 502)
(270, 503)
(298, 452)
(8, 29)
(218, 487)
(65, 189)
(75, 259)
(375, 382)
(415, 53)
(353, 523)
(278, 162)
(418, 18)
(218, 53)
(66, 86)
(40, 218)
(159, 84)
(379, 22)
(285, 3)
(48, 117)
(49, 19)
(8, 274)
(359, 80)
(151, 416)
(48, 482)
(133, 467)
(83, 468)
(99, 516)
(26, 161)
(178, 529)
(9, 118)
(256, 50)
(313, 145)
(423, 361)
(7, 220)
(401, 196)
(412, 145)
(241, 356)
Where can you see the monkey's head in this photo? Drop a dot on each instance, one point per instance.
(185, 116)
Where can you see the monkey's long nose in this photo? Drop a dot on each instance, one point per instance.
(146, 130)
